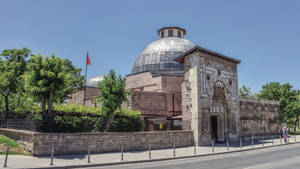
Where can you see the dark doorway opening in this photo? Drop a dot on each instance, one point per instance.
(214, 128)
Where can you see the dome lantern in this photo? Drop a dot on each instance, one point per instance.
(171, 31)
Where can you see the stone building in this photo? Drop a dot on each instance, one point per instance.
(91, 91)
(210, 95)
(177, 84)
(158, 78)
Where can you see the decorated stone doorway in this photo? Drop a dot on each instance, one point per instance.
(219, 113)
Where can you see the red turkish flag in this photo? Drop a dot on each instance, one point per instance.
(88, 61)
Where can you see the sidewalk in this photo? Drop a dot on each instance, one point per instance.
(18, 161)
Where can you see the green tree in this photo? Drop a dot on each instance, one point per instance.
(12, 69)
(293, 113)
(21, 102)
(2, 104)
(112, 94)
(49, 80)
(246, 92)
(283, 93)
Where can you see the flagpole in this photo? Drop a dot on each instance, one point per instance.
(84, 93)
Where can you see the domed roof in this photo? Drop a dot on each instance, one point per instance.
(92, 82)
(160, 54)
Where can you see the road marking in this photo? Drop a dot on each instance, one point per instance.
(259, 166)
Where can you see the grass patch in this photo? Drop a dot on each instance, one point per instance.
(294, 133)
(14, 147)
(8, 142)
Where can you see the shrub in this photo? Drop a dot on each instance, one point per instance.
(78, 110)
(70, 123)
(79, 118)
(126, 121)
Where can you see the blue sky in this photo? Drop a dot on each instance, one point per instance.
(264, 35)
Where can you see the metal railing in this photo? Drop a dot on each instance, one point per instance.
(30, 125)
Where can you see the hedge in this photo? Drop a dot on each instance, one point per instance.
(77, 110)
(126, 121)
(74, 118)
(69, 123)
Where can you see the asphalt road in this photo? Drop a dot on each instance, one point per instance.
(283, 157)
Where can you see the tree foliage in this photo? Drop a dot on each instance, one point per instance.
(283, 93)
(12, 68)
(126, 121)
(42, 84)
(2, 105)
(77, 109)
(51, 79)
(112, 94)
(293, 113)
(246, 92)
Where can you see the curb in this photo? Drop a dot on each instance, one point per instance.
(160, 159)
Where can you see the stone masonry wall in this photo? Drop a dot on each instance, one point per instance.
(143, 81)
(259, 117)
(147, 82)
(205, 72)
(25, 138)
(172, 84)
(77, 97)
(155, 103)
(77, 143)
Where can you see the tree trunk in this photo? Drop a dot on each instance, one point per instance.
(50, 103)
(295, 125)
(50, 116)
(108, 122)
(44, 117)
(43, 106)
(6, 106)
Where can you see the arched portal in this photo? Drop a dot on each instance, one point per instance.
(219, 113)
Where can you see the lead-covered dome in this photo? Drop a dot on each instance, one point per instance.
(160, 54)
(93, 82)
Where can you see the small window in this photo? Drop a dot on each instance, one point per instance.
(162, 34)
(179, 34)
(176, 123)
(208, 77)
(170, 33)
(219, 72)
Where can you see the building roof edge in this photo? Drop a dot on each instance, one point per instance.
(181, 57)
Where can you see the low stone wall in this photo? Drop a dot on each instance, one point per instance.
(24, 138)
(77, 143)
(259, 117)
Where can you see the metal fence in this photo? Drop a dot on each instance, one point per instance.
(23, 124)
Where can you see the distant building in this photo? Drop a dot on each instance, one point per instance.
(91, 91)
